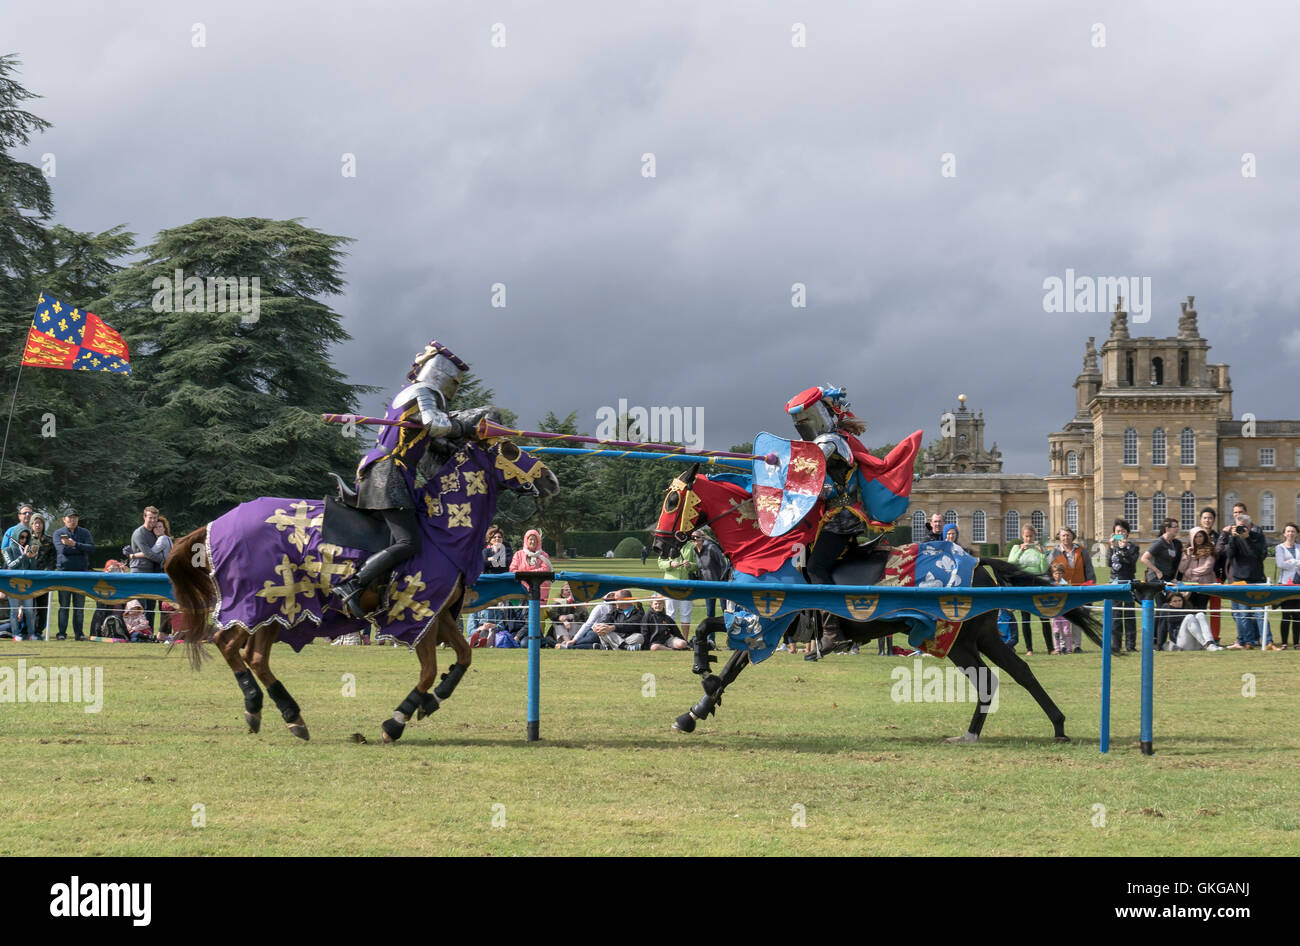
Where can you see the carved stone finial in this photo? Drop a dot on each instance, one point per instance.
(1090, 355)
(1119, 321)
(1187, 327)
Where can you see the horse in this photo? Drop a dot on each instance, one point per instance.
(725, 503)
(265, 572)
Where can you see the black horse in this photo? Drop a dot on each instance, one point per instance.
(699, 501)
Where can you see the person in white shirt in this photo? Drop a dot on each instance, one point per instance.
(1288, 564)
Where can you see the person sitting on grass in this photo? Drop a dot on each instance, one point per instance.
(1182, 627)
(661, 630)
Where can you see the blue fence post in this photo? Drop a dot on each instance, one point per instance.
(1147, 592)
(1107, 617)
(534, 580)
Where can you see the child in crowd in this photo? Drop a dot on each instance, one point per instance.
(138, 629)
(1062, 630)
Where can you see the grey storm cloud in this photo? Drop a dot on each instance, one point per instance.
(775, 165)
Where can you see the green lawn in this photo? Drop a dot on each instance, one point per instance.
(820, 742)
(610, 777)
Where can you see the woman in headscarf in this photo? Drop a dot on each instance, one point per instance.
(531, 558)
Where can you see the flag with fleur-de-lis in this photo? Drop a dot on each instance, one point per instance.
(68, 337)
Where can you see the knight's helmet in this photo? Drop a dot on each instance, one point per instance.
(438, 367)
(818, 410)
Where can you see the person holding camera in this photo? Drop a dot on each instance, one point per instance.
(1123, 567)
(1030, 557)
(1244, 547)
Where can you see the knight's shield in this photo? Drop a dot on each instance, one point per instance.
(787, 491)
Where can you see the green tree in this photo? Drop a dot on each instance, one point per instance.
(569, 510)
(233, 397)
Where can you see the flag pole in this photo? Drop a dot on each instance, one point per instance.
(12, 401)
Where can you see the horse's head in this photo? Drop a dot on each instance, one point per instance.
(680, 515)
(522, 472)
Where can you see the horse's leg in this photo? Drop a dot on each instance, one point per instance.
(228, 642)
(419, 700)
(965, 656)
(449, 633)
(261, 664)
(714, 685)
(990, 643)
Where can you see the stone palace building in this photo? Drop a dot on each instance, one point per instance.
(1153, 435)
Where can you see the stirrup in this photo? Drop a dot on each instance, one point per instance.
(350, 592)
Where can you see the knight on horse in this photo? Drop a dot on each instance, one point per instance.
(862, 494)
(386, 475)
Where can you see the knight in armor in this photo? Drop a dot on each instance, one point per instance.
(862, 494)
(386, 475)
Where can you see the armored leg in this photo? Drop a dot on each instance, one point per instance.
(403, 529)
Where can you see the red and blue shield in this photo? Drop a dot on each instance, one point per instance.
(786, 491)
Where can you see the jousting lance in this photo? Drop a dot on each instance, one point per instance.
(641, 455)
(487, 430)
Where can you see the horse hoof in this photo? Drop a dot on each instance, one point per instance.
(392, 730)
(684, 723)
(964, 737)
(1061, 738)
(254, 721)
(300, 730)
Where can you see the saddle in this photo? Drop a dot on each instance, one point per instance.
(344, 524)
(861, 565)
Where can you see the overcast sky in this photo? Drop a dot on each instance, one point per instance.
(774, 164)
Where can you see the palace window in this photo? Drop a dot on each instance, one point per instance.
(1229, 501)
(1072, 516)
(1131, 509)
(1157, 371)
(1267, 512)
(1072, 463)
(977, 527)
(1130, 447)
(1159, 453)
(950, 517)
(1232, 457)
(1187, 446)
(1267, 456)
(1159, 509)
(1184, 373)
(1038, 520)
(918, 525)
(1187, 510)
(1011, 526)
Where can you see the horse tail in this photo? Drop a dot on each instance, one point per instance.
(187, 567)
(1004, 573)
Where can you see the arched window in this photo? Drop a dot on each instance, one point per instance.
(1159, 509)
(1187, 510)
(1128, 369)
(1157, 371)
(918, 525)
(1011, 524)
(1039, 521)
(950, 518)
(1267, 512)
(1159, 453)
(1072, 463)
(1131, 509)
(1187, 446)
(977, 527)
(1184, 372)
(1072, 516)
(1130, 447)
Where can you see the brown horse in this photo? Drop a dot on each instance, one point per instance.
(249, 654)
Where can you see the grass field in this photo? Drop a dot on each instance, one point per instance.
(822, 744)
(610, 777)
